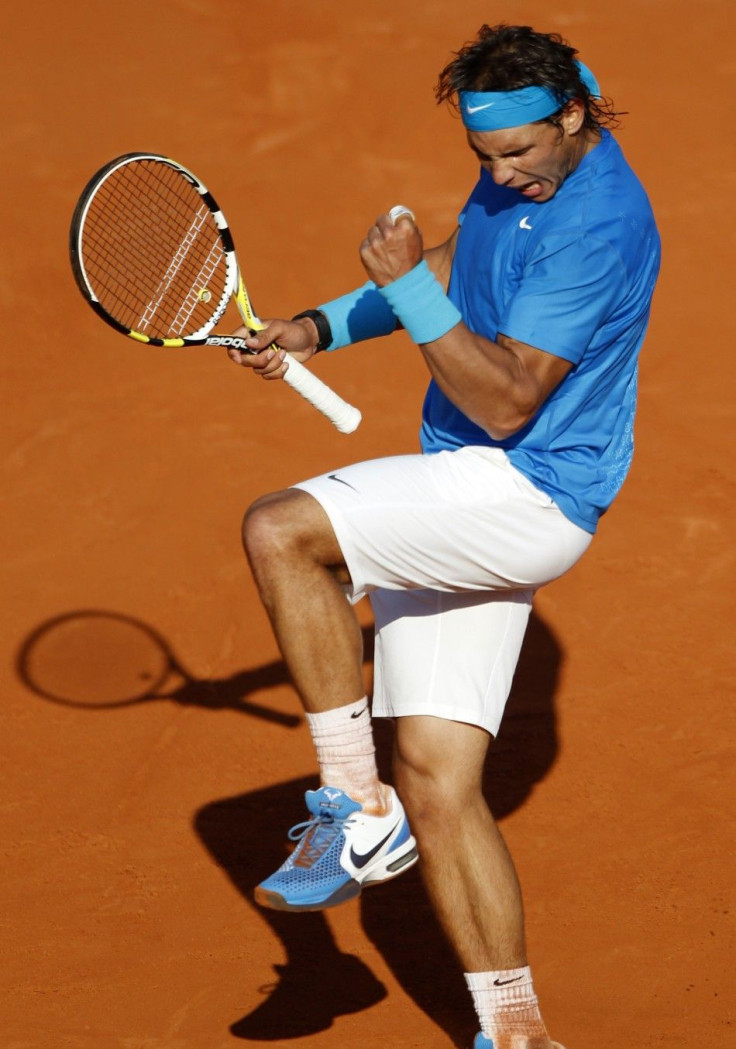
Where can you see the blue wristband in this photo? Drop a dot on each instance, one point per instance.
(361, 314)
(421, 305)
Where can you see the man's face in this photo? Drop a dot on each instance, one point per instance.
(534, 159)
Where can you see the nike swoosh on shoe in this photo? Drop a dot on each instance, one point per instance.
(359, 860)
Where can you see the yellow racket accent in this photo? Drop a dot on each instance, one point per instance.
(245, 309)
(170, 343)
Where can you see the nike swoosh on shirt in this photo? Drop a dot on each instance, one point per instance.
(359, 860)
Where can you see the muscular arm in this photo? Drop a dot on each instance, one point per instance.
(301, 338)
(499, 384)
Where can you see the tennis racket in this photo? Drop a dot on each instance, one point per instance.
(153, 255)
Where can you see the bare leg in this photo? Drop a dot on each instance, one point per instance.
(298, 568)
(469, 874)
(466, 866)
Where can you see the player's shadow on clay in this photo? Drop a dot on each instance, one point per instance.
(246, 835)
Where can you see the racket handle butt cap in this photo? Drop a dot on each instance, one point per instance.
(350, 421)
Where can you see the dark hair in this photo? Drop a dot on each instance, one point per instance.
(504, 58)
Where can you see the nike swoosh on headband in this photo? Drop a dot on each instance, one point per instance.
(524, 105)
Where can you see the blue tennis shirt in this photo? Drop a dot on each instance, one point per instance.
(574, 277)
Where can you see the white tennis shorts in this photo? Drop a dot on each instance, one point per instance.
(450, 548)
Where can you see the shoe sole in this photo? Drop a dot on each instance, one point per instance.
(348, 891)
(391, 867)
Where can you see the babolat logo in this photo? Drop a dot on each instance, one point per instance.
(225, 340)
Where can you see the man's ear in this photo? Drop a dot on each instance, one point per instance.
(573, 116)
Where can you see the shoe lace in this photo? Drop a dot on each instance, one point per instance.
(315, 837)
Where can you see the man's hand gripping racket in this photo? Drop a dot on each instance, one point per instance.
(153, 255)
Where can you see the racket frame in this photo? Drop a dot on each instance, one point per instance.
(344, 416)
(76, 254)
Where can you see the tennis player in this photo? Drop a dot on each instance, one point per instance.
(530, 319)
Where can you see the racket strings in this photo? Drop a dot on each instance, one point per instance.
(153, 252)
(197, 288)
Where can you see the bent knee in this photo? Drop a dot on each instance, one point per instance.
(265, 524)
(289, 523)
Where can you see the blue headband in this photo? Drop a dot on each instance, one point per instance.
(497, 110)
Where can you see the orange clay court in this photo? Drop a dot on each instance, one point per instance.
(153, 751)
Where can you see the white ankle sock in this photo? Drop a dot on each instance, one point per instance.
(506, 1004)
(343, 739)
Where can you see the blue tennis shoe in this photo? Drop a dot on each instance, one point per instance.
(339, 850)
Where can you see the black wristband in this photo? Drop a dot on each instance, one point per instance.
(324, 331)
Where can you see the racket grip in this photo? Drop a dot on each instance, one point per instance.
(342, 415)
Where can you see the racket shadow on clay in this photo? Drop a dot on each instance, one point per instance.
(100, 660)
(288, 999)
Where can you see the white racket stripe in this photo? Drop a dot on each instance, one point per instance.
(174, 266)
(207, 269)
